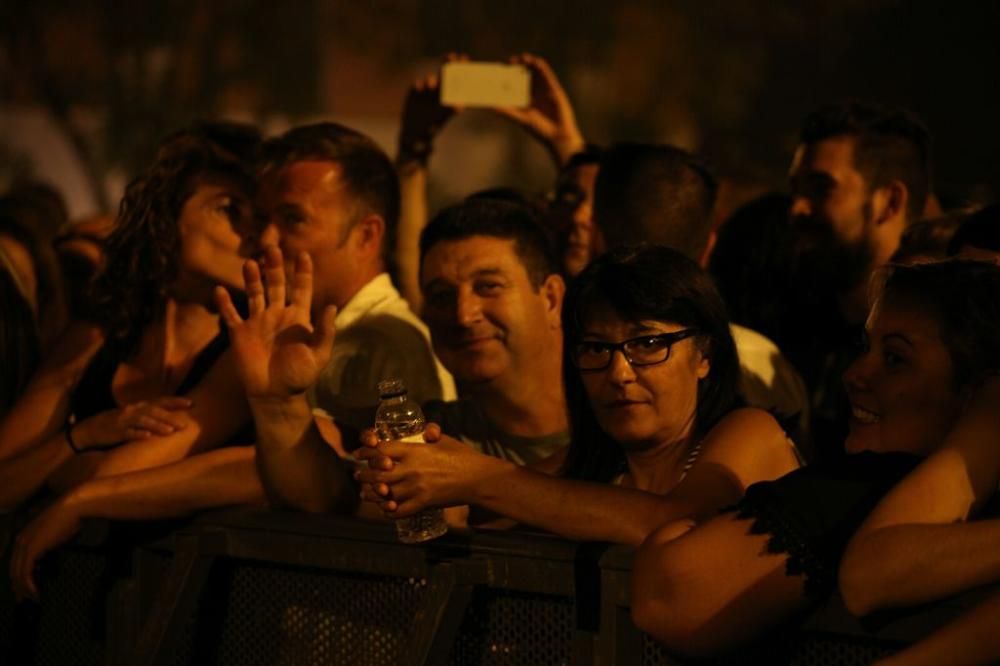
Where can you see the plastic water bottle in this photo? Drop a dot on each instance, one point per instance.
(400, 418)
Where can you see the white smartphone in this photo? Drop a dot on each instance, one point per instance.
(485, 84)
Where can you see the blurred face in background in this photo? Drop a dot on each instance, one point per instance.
(572, 217)
(831, 212)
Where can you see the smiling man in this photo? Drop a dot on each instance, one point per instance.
(492, 299)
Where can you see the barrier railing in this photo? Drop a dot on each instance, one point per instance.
(263, 587)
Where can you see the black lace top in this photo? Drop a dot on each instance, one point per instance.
(811, 513)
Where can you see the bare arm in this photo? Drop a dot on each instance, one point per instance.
(24, 473)
(298, 467)
(916, 546)
(422, 119)
(712, 589)
(747, 447)
(41, 411)
(971, 640)
(224, 477)
(550, 116)
(218, 409)
(413, 216)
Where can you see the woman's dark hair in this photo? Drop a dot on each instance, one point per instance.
(963, 297)
(19, 343)
(641, 283)
(142, 252)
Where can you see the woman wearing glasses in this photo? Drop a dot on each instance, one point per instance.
(651, 377)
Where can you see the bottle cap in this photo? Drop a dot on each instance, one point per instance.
(391, 388)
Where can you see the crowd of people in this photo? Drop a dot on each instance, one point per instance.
(603, 361)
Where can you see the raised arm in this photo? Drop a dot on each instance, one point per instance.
(747, 447)
(550, 116)
(970, 640)
(423, 118)
(224, 477)
(916, 546)
(279, 356)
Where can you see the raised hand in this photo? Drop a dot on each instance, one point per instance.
(550, 115)
(140, 420)
(423, 116)
(279, 354)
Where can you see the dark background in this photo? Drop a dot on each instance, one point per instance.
(731, 80)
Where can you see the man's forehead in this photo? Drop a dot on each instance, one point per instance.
(463, 258)
(304, 177)
(831, 155)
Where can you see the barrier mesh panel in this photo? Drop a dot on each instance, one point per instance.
(503, 627)
(810, 650)
(71, 621)
(272, 616)
(800, 650)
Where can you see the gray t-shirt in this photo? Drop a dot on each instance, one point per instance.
(465, 421)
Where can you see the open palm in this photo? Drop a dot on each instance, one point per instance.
(279, 353)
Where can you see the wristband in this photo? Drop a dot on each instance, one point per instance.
(68, 432)
(416, 150)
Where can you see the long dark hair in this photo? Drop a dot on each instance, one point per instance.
(639, 283)
(143, 250)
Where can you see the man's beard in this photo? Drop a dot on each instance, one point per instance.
(828, 263)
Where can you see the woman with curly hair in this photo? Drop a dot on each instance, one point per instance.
(157, 336)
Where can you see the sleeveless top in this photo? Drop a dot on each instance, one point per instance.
(93, 394)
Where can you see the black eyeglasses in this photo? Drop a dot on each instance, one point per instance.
(645, 350)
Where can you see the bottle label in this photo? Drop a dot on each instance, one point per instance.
(417, 437)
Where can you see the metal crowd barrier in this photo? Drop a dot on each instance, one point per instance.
(262, 587)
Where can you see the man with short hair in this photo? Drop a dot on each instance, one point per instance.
(860, 175)
(664, 195)
(655, 193)
(492, 299)
(331, 192)
(331, 200)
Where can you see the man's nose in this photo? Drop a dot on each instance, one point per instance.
(801, 207)
(468, 308)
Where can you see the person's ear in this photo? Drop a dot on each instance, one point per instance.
(554, 290)
(704, 362)
(368, 235)
(890, 201)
